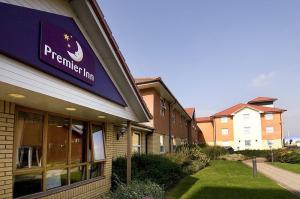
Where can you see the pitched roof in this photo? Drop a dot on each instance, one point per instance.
(190, 111)
(143, 80)
(262, 99)
(100, 16)
(238, 107)
(203, 119)
(146, 80)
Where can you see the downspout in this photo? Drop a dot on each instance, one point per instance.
(214, 132)
(189, 131)
(129, 151)
(282, 144)
(170, 126)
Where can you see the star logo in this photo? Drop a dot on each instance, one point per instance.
(66, 37)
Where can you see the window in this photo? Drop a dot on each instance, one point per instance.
(53, 151)
(269, 129)
(224, 131)
(161, 141)
(174, 143)
(182, 119)
(246, 117)
(163, 107)
(174, 116)
(247, 142)
(136, 142)
(224, 119)
(247, 130)
(269, 116)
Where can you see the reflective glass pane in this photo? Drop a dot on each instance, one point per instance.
(96, 170)
(136, 139)
(79, 141)
(27, 184)
(28, 139)
(56, 178)
(78, 174)
(57, 141)
(98, 143)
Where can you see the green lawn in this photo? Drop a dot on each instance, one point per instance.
(287, 166)
(227, 179)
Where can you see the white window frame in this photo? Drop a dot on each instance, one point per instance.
(161, 144)
(137, 146)
(246, 116)
(224, 131)
(163, 107)
(268, 129)
(269, 116)
(224, 119)
(247, 130)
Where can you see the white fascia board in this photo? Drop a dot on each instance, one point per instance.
(18, 74)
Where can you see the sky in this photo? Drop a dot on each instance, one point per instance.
(213, 54)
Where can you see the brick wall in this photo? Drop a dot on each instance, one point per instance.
(91, 190)
(119, 146)
(6, 148)
(154, 143)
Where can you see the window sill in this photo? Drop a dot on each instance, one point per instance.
(60, 189)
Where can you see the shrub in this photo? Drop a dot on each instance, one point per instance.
(136, 190)
(213, 152)
(233, 157)
(156, 168)
(285, 155)
(256, 153)
(188, 165)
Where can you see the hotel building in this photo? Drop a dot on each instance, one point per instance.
(255, 125)
(66, 99)
(172, 124)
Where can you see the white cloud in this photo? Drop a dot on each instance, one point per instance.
(263, 79)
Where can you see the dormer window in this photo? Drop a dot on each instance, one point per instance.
(163, 107)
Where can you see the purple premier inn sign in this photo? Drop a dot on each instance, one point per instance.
(55, 45)
(62, 50)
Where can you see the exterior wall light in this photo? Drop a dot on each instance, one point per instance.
(121, 130)
(16, 95)
(70, 109)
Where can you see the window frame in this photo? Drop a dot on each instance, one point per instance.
(269, 116)
(162, 145)
(140, 140)
(163, 107)
(224, 119)
(43, 169)
(246, 117)
(248, 130)
(269, 127)
(224, 130)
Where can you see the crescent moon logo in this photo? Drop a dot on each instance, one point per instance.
(78, 55)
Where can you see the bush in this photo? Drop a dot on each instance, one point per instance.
(136, 190)
(213, 152)
(233, 157)
(156, 168)
(188, 165)
(285, 155)
(256, 153)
